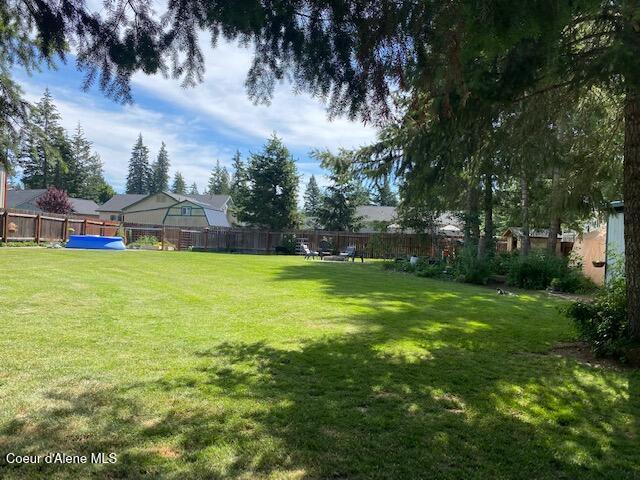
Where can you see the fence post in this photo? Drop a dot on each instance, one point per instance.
(5, 227)
(84, 227)
(65, 227)
(38, 227)
(206, 239)
(162, 239)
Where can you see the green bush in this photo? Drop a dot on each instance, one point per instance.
(471, 269)
(144, 241)
(602, 323)
(430, 270)
(501, 263)
(19, 244)
(399, 265)
(539, 270)
(288, 244)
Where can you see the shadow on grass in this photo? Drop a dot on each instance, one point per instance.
(462, 404)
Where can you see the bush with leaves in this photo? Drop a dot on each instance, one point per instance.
(539, 270)
(288, 244)
(469, 268)
(602, 323)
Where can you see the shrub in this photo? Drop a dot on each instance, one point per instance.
(501, 263)
(399, 265)
(54, 201)
(602, 323)
(471, 269)
(19, 244)
(145, 240)
(430, 270)
(539, 270)
(288, 244)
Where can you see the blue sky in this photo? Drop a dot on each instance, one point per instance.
(200, 124)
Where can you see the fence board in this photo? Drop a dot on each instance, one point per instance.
(22, 225)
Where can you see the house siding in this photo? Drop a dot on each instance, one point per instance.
(615, 240)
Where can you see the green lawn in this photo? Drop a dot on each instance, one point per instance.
(193, 365)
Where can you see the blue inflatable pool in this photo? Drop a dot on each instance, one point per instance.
(95, 242)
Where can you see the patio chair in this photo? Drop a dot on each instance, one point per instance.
(349, 253)
(308, 253)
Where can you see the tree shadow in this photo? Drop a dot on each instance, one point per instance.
(433, 383)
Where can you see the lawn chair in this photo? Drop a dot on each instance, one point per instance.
(308, 253)
(349, 253)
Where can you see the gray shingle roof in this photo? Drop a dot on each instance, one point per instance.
(214, 201)
(83, 206)
(375, 213)
(15, 198)
(120, 201)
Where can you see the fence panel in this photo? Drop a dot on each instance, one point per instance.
(23, 225)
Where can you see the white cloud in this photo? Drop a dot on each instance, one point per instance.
(300, 119)
(203, 123)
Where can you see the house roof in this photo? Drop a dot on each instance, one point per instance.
(120, 201)
(18, 197)
(82, 206)
(533, 233)
(376, 213)
(216, 218)
(217, 202)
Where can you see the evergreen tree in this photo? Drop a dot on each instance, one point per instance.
(84, 177)
(312, 201)
(105, 192)
(179, 186)
(338, 210)
(160, 171)
(384, 195)
(219, 180)
(194, 189)
(273, 180)
(41, 156)
(239, 189)
(139, 171)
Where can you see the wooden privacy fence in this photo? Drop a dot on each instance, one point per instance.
(370, 245)
(20, 225)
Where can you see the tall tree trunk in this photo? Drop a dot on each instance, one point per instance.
(486, 246)
(556, 206)
(526, 240)
(472, 219)
(554, 230)
(632, 209)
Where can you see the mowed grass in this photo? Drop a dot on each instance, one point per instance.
(194, 365)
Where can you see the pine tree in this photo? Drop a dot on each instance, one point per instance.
(272, 198)
(139, 171)
(312, 201)
(338, 209)
(84, 177)
(384, 195)
(105, 192)
(179, 186)
(194, 189)
(218, 180)
(41, 157)
(160, 171)
(239, 189)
